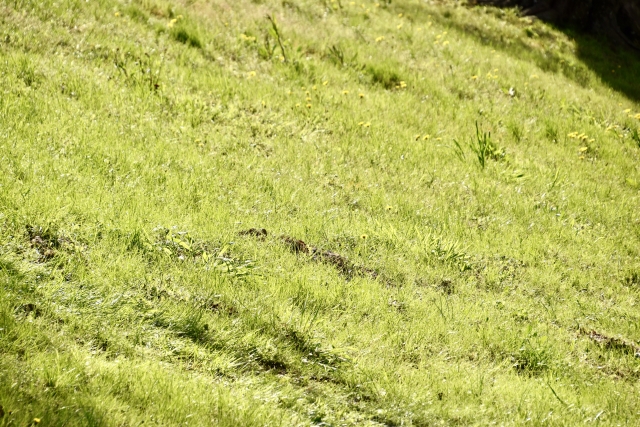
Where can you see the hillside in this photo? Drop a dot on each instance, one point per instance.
(315, 212)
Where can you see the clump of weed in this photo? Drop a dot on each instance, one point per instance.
(136, 14)
(275, 33)
(635, 136)
(337, 55)
(383, 75)
(28, 73)
(449, 252)
(186, 36)
(633, 279)
(551, 131)
(138, 70)
(516, 131)
(578, 73)
(533, 356)
(484, 148)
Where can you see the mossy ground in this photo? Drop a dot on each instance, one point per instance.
(469, 181)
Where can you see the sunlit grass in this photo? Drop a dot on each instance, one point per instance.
(349, 213)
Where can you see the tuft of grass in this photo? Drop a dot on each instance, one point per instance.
(635, 136)
(484, 148)
(187, 36)
(383, 74)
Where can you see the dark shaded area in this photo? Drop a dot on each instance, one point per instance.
(607, 33)
(619, 68)
(619, 20)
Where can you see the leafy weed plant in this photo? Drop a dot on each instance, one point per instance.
(484, 148)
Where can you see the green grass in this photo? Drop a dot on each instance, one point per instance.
(464, 183)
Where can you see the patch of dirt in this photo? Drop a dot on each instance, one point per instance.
(612, 343)
(446, 286)
(44, 241)
(341, 263)
(30, 308)
(220, 307)
(260, 233)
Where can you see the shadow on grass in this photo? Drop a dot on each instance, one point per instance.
(617, 67)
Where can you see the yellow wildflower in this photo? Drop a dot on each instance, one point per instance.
(117, 14)
(172, 23)
(426, 137)
(345, 92)
(474, 77)
(308, 105)
(251, 74)
(379, 39)
(361, 95)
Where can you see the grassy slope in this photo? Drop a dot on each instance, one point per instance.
(506, 294)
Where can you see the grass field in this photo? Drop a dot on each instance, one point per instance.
(315, 212)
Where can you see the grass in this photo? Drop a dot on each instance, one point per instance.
(208, 216)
